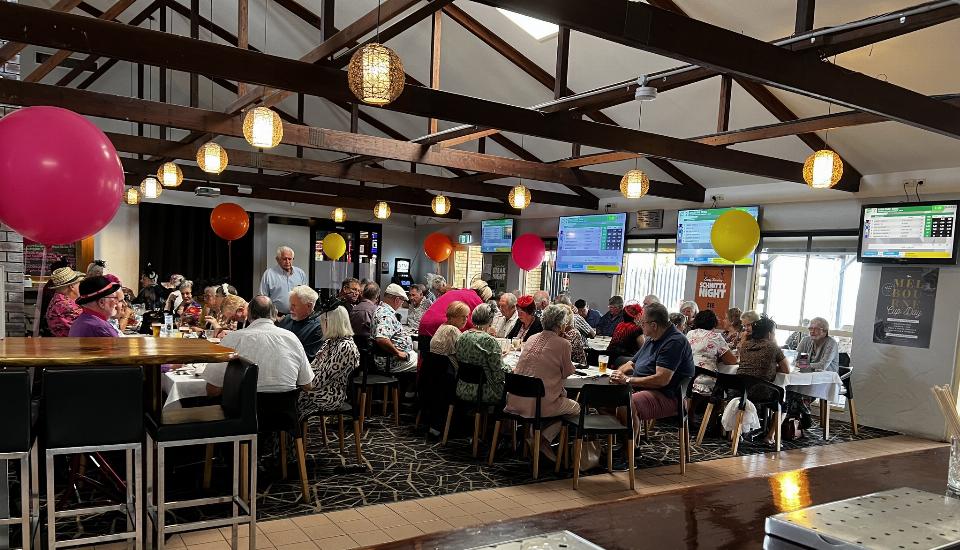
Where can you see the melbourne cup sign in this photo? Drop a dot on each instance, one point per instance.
(713, 289)
(905, 305)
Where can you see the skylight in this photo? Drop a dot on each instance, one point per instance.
(539, 30)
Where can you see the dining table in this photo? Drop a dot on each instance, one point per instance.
(149, 352)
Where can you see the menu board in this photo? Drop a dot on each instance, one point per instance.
(905, 305)
(591, 244)
(909, 233)
(496, 235)
(33, 257)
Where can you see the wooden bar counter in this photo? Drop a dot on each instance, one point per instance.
(146, 351)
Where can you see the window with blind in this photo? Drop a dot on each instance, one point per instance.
(649, 268)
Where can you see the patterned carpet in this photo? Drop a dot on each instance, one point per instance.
(402, 464)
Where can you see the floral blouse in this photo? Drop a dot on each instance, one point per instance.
(332, 366)
(707, 346)
(61, 313)
(577, 351)
(479, 348)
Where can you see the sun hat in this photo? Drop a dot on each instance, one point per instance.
(64, 276)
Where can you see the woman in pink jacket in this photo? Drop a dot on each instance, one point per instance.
(477, 294)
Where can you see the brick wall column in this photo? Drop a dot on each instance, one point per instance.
(11, 257)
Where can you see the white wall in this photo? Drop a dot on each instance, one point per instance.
(296, 237)
(118, 244)
(892, 383)
(399, 242)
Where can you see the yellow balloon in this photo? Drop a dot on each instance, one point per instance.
(334, 246)
(735, 235)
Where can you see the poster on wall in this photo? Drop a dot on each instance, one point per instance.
(33, 257)
(905, 304)
(713, 289)
(497, 280)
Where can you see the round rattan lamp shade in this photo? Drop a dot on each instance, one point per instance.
(132, 196)
(150, 187)
(338, 215)
(440, 205)
(262, 127)
(634, 184)
(170, 174)
(375, 74)
(823, 169)
(381, 210)
(519, 197)
(212, 158)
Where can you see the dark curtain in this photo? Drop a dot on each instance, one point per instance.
(178, 239)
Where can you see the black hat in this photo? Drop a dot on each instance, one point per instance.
(94, 288)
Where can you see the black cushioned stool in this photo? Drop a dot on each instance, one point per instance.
(18, 442)
(95, 409)
(238, 426)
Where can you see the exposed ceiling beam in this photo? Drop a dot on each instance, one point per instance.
(805, 13)
(11, 49)
(662, 32)
(39, 26)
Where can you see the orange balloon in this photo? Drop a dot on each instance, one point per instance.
(438, 247)
(229, 221)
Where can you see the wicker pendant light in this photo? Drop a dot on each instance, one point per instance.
(339, 215)
(132, 196)
(381, 210)
(170, 174)
(262, 127)
(823, 169)
(212, 158)
(634, 184)
(519, 197)
(440, 205)
(150, 187)
(375, 74)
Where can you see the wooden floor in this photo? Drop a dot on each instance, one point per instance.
(380, 524)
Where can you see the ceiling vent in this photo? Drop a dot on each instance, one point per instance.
(207, 192)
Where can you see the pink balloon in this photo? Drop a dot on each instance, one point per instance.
(528, 251)
(60, 177)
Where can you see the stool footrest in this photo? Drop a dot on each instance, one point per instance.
(93, 510)
(206, 524)
(127, 535)
(197, 502)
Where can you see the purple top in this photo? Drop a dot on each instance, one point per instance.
(91, 324)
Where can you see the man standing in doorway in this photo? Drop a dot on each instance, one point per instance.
(279, 280)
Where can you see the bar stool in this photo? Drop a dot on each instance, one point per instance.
(235, 422)
(18, 442)
(90, 409)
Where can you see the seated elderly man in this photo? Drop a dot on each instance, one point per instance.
(303, 320)
(388, 332)
(541, 299)
(592, 316)
(820, 347)
(613, 317)
(349, 293)
(277, 352)
(419, 304)
(650, 299)
(361, 315)
(656, 369)
(503, 323)
(98, 298)
(579, 322)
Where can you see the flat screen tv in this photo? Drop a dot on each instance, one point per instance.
(591, 244)
(496, 235)
(909, 233)
(693, 236)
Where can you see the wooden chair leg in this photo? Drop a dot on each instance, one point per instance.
(536, 454)
(778, 418)
(853, 416)
(369, 401)
(356, 440)
(493, 443)
(305, 430)
(577, 448)
(562, 449)
(476, 433)
(631, 453)
(610, 454)
(302, 464)
(416, 421)
(446, 427)
(386, 400)
(513, 434)
(340, 430)
(323, 430)
(363, 408)
(396, 406)
(825, 418)
(736, 431)
(207, 465)
(646, 429)
(683, 449)
(705, 423)
(283, 455)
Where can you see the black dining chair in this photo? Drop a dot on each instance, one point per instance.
(234, 421)
(519, 385)
(435, 388)
(846, 376)
(369, 378)
(93, 410)
(469, 374)
(714, 401)
(277, 413)
(18, 442)
(600, 396)
(774, 401)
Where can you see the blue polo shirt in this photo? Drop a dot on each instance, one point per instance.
(671, 351)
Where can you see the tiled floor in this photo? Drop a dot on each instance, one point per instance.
(364, 526)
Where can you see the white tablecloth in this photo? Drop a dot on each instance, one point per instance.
(599, 343)
(822, 385)
(181, 386)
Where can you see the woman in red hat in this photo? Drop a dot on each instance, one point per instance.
(627, 337)
(527, 322)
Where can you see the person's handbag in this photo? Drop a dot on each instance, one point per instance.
(589, 455)
(791, 430)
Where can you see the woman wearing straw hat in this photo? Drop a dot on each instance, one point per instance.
(63, 310)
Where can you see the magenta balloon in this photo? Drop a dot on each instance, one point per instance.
(60, 177)
(528, 251)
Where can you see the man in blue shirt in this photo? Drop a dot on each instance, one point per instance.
(657, 368)
(591, 315)
(279, 280)
(613, 317)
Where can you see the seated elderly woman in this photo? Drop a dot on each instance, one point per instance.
(546, 356)
(678, 321)
(731, 327)
(578, 350)
(337, 359)
(444, 341)
(709, 347)
(689, 309)
(233, 315)
(63, 310)
(477, 347)
(527, 323)
(820, 347)
(760, 357)
(627, 337)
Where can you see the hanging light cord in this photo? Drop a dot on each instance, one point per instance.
(378, 21)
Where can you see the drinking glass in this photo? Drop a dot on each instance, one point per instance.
(953, 473)
(515, 343)
(155, 327)
(602, 363)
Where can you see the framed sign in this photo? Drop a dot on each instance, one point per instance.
(713, 289)
(905, 306)
(33, 257)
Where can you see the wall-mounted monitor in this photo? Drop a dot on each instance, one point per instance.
(693, 236)
(496, 235)
(591, 244)
(909, 233)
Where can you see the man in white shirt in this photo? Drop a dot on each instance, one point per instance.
(279, 280)
(388, 333)
(277, 352)
(503, 323)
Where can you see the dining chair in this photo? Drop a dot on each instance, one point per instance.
(18, 441)
(530, 387)
(600, 396)
(368, 379)
(469, 374)
(277, 413)
(846, 377)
